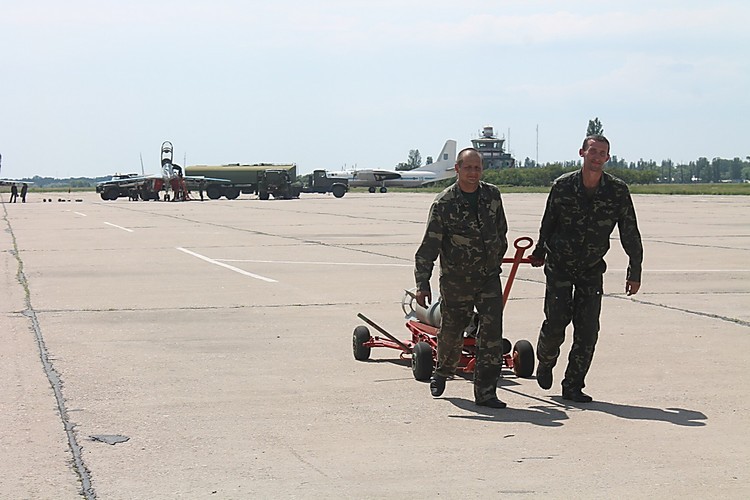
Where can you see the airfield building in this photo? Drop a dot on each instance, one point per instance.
(491, 149)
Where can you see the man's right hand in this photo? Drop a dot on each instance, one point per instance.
(424, 298)
(536, 261)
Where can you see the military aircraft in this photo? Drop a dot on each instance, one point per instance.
(373, 179)
(10, 182)
(147, 187)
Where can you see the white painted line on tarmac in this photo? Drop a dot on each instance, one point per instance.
(79, 213)
(119, 227)
(227, 266)
(315, 263)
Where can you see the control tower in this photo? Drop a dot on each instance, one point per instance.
(491, 149)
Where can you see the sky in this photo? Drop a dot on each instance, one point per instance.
(89, 88)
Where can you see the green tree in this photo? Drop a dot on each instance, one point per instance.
(595, 127)
(666, 170)
(735, 170)
(415, 159)
(702, 170)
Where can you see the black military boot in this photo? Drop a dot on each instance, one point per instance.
(492, 403)
(544, 376)
(437, 385)
(576, 395)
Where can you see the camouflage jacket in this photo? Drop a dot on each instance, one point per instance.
(575, 230)
(469, 246)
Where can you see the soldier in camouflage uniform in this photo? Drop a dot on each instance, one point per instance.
(582, 210)
(467, 229)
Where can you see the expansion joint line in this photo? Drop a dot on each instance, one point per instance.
(52, 376)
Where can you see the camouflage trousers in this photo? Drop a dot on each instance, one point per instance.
(566, 299)
(458, 301)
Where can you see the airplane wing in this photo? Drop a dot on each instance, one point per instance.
(376, 175)
(126, 180)
(194, 181)
(198, 178)
(10, 182)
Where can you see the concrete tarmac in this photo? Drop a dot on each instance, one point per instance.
(155, 350)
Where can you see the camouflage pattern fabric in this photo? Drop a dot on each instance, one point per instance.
(573, 240)
(561, 306)
(575, 230)
(470, 246)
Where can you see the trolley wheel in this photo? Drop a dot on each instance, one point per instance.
(507, 346)
(523, 359)
(359, 337)
(421, 361)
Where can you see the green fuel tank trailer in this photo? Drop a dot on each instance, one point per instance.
(235, 178)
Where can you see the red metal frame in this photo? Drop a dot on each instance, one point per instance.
(421, 332)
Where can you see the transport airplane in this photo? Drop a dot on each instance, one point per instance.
(373, 179)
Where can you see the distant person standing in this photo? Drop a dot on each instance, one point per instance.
(24, 189)
(13, 193)
(583, 208)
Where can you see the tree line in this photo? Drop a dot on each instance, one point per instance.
(529, 173)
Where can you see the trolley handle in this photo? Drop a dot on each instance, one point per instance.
(521, 244)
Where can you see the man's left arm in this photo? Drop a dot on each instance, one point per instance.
(427, 253)
(502, 227)
(630, 239)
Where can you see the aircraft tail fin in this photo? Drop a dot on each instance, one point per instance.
(444, 163)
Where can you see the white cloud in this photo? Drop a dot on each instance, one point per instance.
(220, 75)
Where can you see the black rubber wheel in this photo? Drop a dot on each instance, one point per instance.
(359, 337)
(371, 189)
(213, 192)
(338, 190)
(421, 361)
(384, 189)
(523, 359)
(112, 193)
(232, 193)
(264, 195)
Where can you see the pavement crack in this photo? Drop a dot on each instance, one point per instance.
(205, 308)
(684, 310)
(52, 375)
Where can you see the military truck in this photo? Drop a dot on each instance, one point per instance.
(319, 182)
(264, 179)
(276, 182)
(125, 185)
